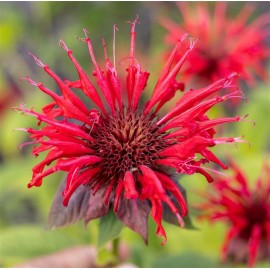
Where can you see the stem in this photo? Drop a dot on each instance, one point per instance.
(115, 249)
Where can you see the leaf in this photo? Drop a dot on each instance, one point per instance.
(170, 217)
(134, 214)
(96, 207)
(188, 223)
(109, 228)
(61, 215)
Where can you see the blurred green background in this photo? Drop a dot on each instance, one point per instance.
(37, 27)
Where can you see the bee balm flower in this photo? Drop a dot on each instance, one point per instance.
(122, 151)
(247, 211)
(225, 43)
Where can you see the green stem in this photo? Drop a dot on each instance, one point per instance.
(115, 249)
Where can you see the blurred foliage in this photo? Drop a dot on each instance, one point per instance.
(110, 228)
(37, 27)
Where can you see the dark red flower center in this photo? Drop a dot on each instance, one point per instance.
(126, 141)
(212, 65)
(256, 212)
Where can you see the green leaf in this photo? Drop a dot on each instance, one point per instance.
(188, 223)
(109, 228)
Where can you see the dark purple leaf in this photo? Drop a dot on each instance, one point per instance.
(96, 207)
(134, 214)
(170, 217)
(60, 215)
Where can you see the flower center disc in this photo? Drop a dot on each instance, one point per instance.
(126, 141)
(257, 212)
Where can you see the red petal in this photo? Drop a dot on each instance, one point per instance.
(167, 77)
(253, 244)
(129, 185)
(193, 97)
(168, 184)
(187, 148)
(74, 181)
(118, 194)
(156, 213)
(101, 78)
(85, 83)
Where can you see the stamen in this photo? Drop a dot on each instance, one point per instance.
(114, 42)
(29, 80)
(63, 45)
(75, 171)
(208, 169)
(180, 220)
(24, 144)
(229, 79)
(243, 119)
(105, 49)
(94, 117)
(192, 41)
(186, 162)
(20, 129)
(229, 140)
(37, 60)
(133, 39)
(90, 48)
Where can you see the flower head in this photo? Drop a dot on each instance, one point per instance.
(225, 43)
(247, 211)
(122, 151)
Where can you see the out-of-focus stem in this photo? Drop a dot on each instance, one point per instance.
(115, 249)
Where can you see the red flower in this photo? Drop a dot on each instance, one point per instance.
(122, 150)
(225, 43)
(247, 212)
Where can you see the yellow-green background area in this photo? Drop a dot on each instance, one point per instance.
(37, 27)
